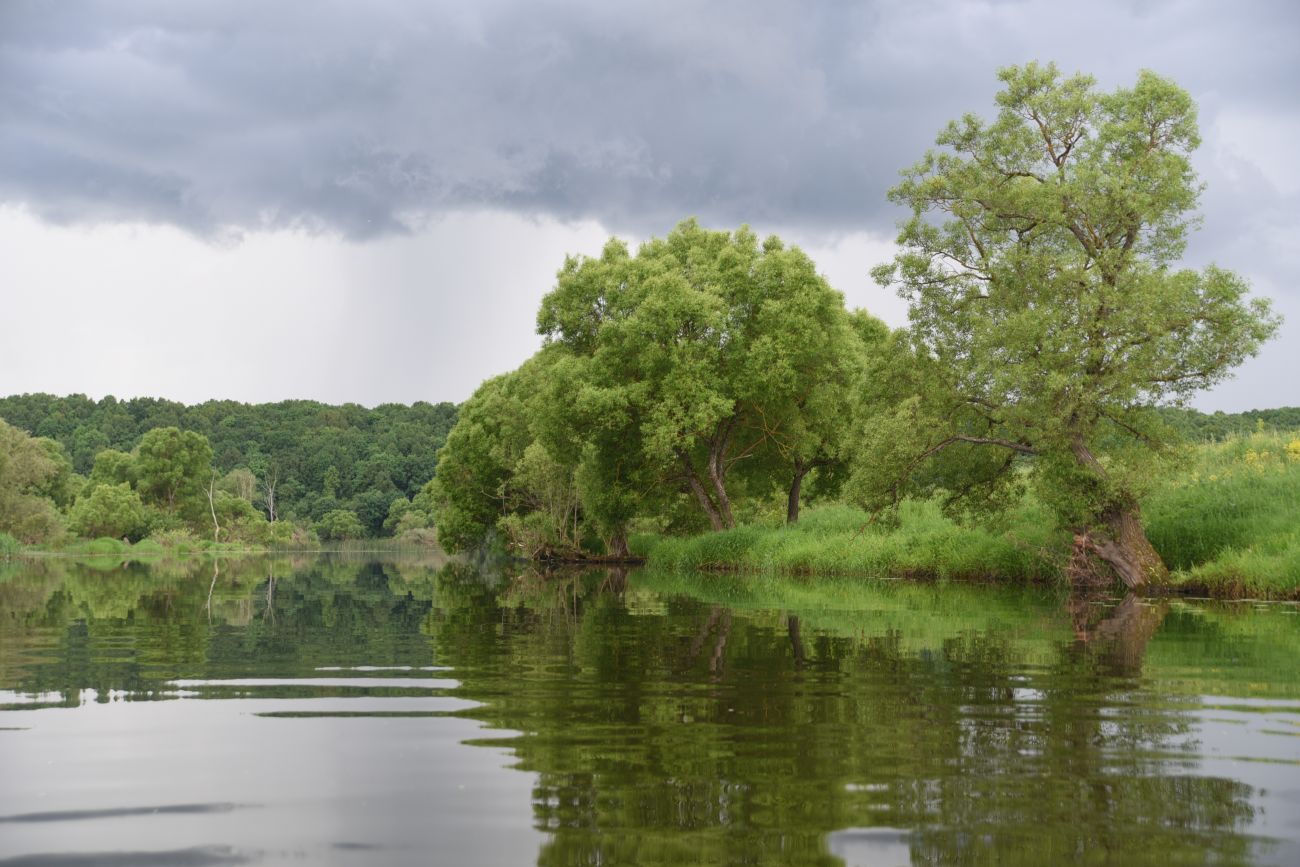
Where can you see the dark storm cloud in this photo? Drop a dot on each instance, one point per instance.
(370, 119)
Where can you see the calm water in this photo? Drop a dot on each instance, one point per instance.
(355, 712)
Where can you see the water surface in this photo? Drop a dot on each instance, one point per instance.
(357, 711)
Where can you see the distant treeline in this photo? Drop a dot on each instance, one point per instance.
(322, 458)
(1197, 426)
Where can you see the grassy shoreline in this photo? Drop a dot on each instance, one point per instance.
(1228, 526)
(1227, 523)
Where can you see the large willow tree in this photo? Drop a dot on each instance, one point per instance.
(1040, 262)
(717, 355)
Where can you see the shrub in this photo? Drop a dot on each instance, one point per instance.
(110, 510)
(339, 525)
(180, 539)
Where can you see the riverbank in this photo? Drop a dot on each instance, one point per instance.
(150, 549)
(1227, 523)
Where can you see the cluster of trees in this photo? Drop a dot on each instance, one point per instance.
(701, 377)
(344, 471)
(708, 370)
(1218, 426)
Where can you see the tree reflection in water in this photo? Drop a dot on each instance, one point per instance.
(676, 719)
(721, 735)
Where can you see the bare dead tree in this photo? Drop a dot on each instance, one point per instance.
(212, 505)
(269, 481)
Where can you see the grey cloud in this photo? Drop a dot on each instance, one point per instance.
(369, 120)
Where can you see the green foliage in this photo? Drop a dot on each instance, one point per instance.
(1228, 517)
(371, 508)
(173, 468)
(61, 486)
(397, 510)
(391, 448)
(30, 471)
(180, 540)
(705, 369)
(1196, 426)
(114, 511)
(112, 467)
(9, 545)
(147, 547)
(472, 491)
(710, 352)
(240, 482)
(1223, 516)
(1046, 306)
(340, 525)
(104, 547)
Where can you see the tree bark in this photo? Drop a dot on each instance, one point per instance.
(1124, 547)
(617, 546)
(792, 502)
(268, 485)
(701, 495)
(1117, 536)
(216, 528)
(717, 475)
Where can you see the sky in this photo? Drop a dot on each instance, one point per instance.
(366, 202)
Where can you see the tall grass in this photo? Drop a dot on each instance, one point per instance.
(840, 540)
(1227, 523)
(9, 545)
(1230, 523)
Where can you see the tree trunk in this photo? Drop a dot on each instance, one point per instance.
(1118, 538)
(216, 528)
(617, 546)
(1123, 545)
(270, 495)
(717, 475)
(701, 495)
(792, 503)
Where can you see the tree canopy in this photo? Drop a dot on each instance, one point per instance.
(292, 449)
(1040, 262)
(706, 364)
(731, 353)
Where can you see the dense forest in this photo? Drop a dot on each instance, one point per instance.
(340, 471)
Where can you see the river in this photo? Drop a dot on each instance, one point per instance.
(398, 710)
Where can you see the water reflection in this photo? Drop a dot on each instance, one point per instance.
(716, 735)
(658, 718)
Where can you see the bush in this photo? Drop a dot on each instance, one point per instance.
(147, 547)
(110, 510)
(425, 537)
(9, 545)
(180, 540)
(340, 525)
(105, 546)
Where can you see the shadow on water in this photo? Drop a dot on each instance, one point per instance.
(670, 718)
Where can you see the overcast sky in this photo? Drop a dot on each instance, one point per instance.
(365, 202)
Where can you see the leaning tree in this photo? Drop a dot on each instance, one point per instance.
(1040, 261)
